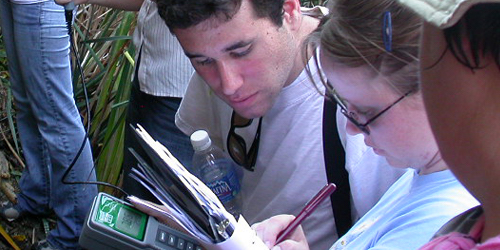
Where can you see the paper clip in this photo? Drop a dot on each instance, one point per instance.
(387, 31)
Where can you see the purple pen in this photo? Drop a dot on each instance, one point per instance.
(324, 193)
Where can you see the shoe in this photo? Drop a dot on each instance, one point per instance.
(43, 245)
(8, 211)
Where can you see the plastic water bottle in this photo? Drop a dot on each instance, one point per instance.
(216, 171)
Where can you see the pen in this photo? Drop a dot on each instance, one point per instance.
(324, 193)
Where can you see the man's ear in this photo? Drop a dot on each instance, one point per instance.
(292, 14)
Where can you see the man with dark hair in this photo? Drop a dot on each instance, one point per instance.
(251, 92)
(201, 26)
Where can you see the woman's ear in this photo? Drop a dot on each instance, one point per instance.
(292, 14)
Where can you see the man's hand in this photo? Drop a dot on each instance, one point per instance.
(63, 2)
(269, 229)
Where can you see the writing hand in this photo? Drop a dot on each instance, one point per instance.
(269, 229)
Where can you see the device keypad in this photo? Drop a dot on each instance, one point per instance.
(173, 241)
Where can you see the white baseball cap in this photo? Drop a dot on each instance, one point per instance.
(442, 13)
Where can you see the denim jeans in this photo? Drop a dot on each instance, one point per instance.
(49, 124)
(157, 115)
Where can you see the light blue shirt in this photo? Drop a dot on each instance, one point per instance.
(409, 213)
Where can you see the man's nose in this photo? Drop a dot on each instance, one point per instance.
(230, 78)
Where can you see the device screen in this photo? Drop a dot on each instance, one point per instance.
(121, 218)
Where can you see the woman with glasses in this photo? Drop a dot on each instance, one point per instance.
(369, 55)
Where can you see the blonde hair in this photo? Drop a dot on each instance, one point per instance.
(352, 35)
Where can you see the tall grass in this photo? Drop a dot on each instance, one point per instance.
(6, 110)
(311, 3)
(104, 46)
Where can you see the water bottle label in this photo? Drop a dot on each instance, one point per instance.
(227, 187)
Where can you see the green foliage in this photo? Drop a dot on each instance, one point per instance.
(311, 3)
(105, 50)
(7, 114)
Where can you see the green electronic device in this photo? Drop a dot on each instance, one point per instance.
(115, 224)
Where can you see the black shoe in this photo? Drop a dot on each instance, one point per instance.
(43, 245)
(9, 211)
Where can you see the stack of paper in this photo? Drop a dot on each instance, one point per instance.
(187, 201)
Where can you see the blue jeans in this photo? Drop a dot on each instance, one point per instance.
(157, 115)
(49, 124)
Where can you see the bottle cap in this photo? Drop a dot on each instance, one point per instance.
(200, 140)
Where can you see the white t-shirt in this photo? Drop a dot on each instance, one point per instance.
(290, 165)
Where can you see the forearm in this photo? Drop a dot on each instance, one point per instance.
(130, 5)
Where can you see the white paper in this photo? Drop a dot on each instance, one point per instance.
(221, 223)
(244, 238)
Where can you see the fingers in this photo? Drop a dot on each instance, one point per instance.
(291, 245)
(298, 235)
(269, 229)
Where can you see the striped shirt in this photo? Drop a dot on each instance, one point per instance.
(164, 69)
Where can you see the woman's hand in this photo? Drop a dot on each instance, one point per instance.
(269, 229)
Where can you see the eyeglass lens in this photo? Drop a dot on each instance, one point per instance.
(352, 117)
(237, 146)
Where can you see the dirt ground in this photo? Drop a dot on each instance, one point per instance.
(26, 230)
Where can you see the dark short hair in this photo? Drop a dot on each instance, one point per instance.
(182, 14)
(481, 26)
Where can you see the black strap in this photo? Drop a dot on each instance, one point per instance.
(335, 169)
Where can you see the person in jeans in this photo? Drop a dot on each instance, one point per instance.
(162, 73)
(50, 127)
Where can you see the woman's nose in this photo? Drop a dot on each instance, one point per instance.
(352, 129)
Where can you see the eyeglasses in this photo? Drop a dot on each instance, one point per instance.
(353, 117)
(236, 145)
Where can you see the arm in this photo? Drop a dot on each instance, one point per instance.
(129, 5)
(269, 229)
